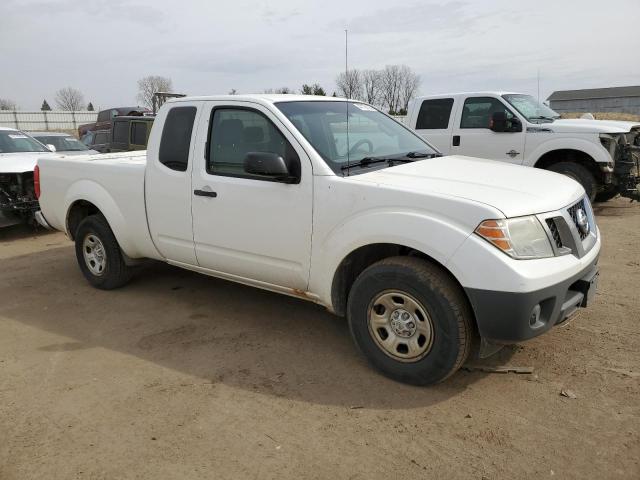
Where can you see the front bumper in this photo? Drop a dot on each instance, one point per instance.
(510, 317)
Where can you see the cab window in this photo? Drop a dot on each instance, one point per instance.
(477, 112)
(176, 138)
(121, 132)
(139, 133)
(235, 132)
(434, 114)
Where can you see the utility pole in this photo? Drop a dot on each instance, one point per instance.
(346, 57)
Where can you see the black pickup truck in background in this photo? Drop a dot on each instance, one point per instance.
(126, 133)
(106, 117)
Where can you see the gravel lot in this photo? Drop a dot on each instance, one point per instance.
(183, 376)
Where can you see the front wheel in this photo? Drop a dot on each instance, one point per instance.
(606, 195)
(99, 255)
(410, 319)
(580, 174)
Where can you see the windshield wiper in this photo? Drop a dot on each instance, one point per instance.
(369, 161)
(542, 118)
(422, 155)
(409, 157)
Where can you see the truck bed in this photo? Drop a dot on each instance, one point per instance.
(116, 182)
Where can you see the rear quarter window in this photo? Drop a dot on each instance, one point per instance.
(176, 138)
(121, 132)
(434, 114)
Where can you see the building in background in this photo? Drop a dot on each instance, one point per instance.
(614, 99)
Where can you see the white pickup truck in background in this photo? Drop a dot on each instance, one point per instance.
(334, 202)
(603, 156)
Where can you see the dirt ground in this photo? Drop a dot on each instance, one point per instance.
(183, 376)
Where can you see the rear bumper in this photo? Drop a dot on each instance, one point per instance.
(510, 317)
(41, 220)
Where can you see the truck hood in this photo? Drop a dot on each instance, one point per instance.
(512, 189)
(21, 162)
(579, 125)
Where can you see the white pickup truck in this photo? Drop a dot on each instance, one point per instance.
(603, 156)
(334, 202)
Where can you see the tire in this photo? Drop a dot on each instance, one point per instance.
(426, 291)
(99, 255)
(606, 195)
(580, 174)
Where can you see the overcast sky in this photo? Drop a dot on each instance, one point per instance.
(102, 47)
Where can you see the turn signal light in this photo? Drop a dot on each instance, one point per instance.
(36, 181)
(497, 233)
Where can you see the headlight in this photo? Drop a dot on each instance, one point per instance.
(520, 238)
(610, 142)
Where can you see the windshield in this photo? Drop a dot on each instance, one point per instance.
(370, 135)
(63, 143)
(14, 141)
(531, 109)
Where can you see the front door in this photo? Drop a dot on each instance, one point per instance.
(250, 226)
(473, 137)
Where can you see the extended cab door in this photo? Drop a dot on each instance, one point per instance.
(472, 135)
(433, 120)
(168, 189)
(251, 226)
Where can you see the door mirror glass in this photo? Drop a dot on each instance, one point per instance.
(501, 123)
(266, 164)
(498, 122)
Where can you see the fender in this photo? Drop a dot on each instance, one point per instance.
(93, 192)
(597, 152)
(422, 231)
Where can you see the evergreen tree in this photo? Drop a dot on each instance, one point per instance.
(45, 106)
(90, 107)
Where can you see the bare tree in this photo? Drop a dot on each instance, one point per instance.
(408, 88)
(349, 84)
(69, 98)
(371, 83)
(6, 104)
(391, 85)
(151, 84)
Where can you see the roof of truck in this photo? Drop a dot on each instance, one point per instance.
(466, 94)
(264, 97)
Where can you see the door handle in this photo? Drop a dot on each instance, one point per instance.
(456, 140)
(205, 193)
(512, 153)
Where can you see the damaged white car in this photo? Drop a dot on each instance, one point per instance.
(18, 155)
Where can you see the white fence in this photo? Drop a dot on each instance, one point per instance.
(35, 121)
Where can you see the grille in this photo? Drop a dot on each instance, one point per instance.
(553, 228)
(573, 212)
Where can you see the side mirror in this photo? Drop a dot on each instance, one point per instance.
(269, 165)
(498, 122)
(51, 147)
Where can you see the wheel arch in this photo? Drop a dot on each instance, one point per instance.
(356, 261)
(577, 156)
(86, 198)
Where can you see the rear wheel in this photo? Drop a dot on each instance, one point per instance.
(580, 174)
(410, 319)
(99, 255)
